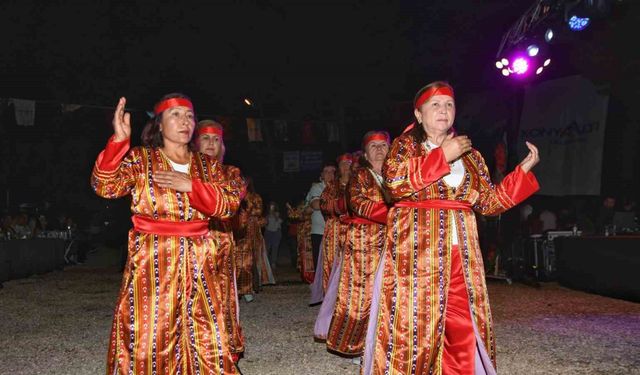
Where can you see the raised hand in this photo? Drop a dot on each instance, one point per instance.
(121, 122)
(531, 159)
(455, 146)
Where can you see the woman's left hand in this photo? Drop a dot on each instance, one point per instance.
(173, 180)
(531, 159)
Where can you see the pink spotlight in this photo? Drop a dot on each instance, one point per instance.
(520, 65)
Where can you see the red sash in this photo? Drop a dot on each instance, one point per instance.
(170, 228)
(436, 203)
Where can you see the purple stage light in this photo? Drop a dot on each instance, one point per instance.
(520, 65)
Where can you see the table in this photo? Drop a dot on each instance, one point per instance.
(602, 265)
(23, 258)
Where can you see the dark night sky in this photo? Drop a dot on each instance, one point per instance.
(296, 58)
(350, 59)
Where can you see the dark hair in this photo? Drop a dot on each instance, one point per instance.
(249, 181)
(364, 163)
(151, 134)
(329, 164)
(418, 133)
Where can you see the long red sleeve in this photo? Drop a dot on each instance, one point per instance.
(520, 185)
(425, 170)
(109, 159)
(205, 197)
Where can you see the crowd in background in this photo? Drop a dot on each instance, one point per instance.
(588, 215)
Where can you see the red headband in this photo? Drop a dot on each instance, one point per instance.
(210, 130)
(376, 137)
(432, 91)
(172, 102)
(345, 157)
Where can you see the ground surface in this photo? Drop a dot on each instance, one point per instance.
(58, 323)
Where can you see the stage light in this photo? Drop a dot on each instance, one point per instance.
(578, 23)
(499, 65)
(539, 70)
(504, 61)
(248, 102)
(520, 65)
(547, 62)
(548, 35)
(533, 50)
(505, 72)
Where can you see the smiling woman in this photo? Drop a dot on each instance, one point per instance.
(430, 306)
(168, 316)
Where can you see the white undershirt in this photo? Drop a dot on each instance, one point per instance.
(184, 168)
(453, 179)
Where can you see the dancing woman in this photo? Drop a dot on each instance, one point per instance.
(168, 317)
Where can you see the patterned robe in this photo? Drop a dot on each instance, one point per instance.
(332, 205)
(256, 239)
(222, 232)
(243, 253)
(303, 236)
(168, 316)
(364, 243)
(409, 337)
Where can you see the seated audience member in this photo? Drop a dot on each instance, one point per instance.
(605, 214)
(548, 219)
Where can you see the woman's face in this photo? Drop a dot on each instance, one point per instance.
(344, 167)
(437, 114)
(209, 144)
(177, 124)
(328, 174)
(376, 151)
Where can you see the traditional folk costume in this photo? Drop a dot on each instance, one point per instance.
(433, 298)
(332, 205)
(168, 316)
(363, 247)
(222, 232)
(254, 233)
(303, 236)
(243, 253)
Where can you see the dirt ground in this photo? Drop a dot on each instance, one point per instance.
(58, 323)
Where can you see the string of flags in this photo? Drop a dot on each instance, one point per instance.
(306, 132)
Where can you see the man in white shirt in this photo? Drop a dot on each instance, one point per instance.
(313, 203)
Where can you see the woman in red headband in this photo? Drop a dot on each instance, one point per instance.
(168, 317)
(333, 204)
(256, 221)
(209, 140)
(433, 312)
(365, 238)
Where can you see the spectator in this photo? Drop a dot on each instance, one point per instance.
(313, 202)
(605, 214)
(7, 227)
(548, 219)
(21, 226)
(273, 233)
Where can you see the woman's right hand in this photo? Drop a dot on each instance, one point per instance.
(121, 122)
(455, 146)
